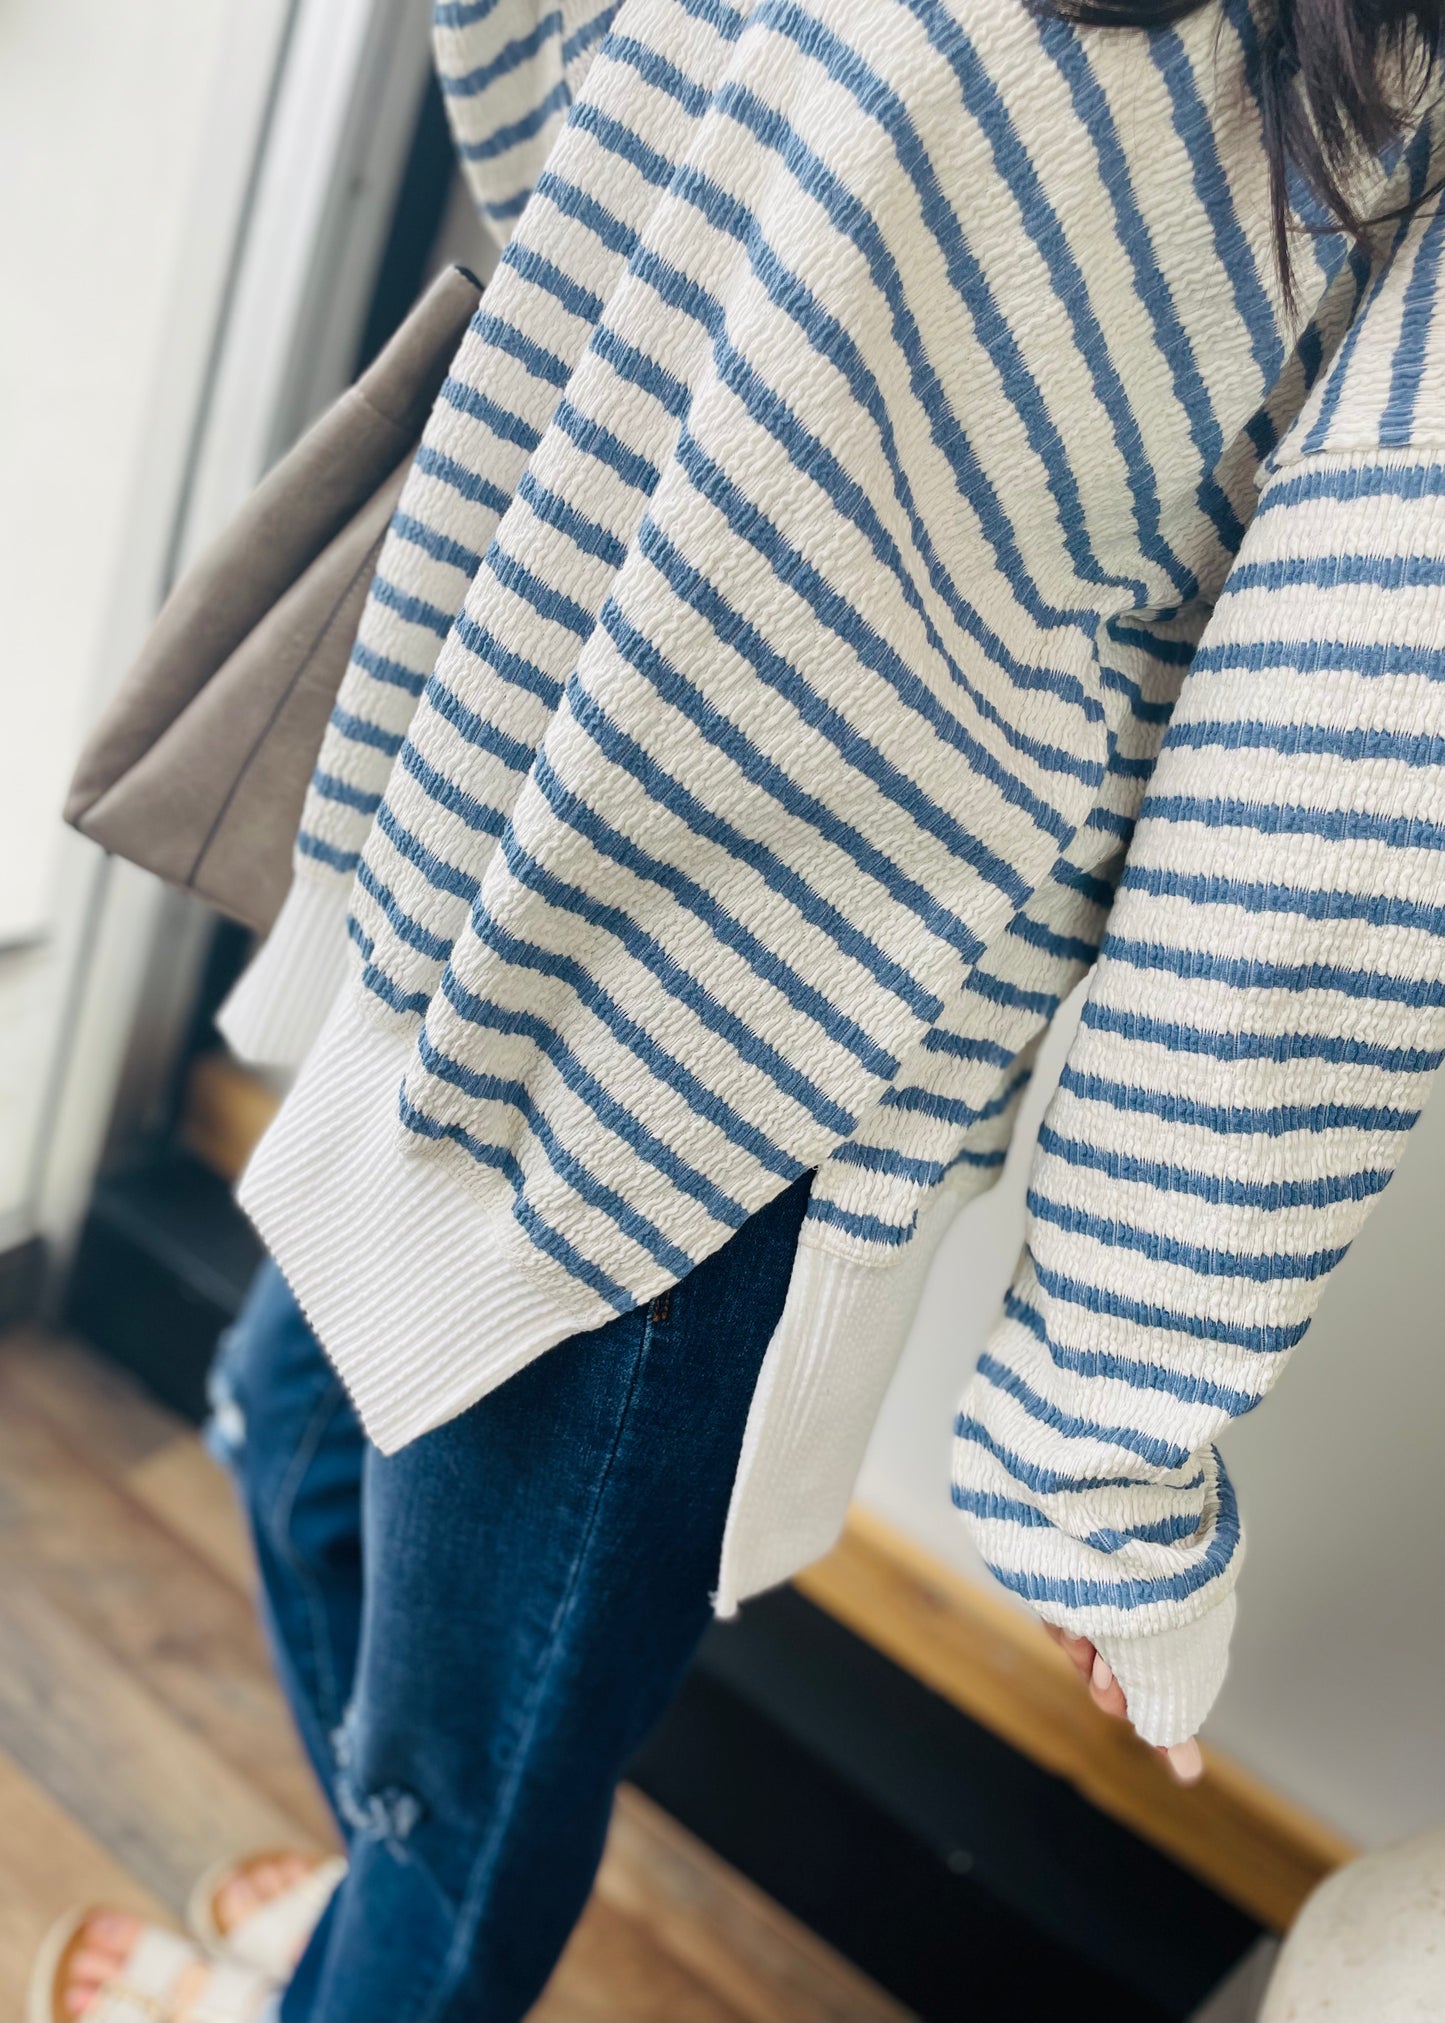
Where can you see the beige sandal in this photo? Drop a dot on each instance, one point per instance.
(144, 1989)
(272, 1939)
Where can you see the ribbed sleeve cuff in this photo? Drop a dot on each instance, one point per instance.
(424, 1296)
(273, 1015)
(1171, 1678)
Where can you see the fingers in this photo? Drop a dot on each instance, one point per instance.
(1106, 1692)
(1078, 1650)
(1186, 1761)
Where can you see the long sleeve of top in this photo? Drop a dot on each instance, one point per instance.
(1259, 1035)
(760, 686)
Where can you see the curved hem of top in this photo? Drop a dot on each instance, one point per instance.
(421, 1300)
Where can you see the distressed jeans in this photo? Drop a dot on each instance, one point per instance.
(474, 1634)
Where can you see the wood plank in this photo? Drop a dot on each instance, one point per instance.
(225, 1111)
(765, 1964)
(191, 1495)
(976, 1649)
(153, 1605)
(614, 1971)
(49, 1865)
(103, 1412)
(106, 1418)
(149, 1790)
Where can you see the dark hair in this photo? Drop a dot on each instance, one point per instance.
(1338, 80)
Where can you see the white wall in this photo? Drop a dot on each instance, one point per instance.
(1336, 1691)
(114, 131)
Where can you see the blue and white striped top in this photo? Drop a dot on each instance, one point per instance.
(885, 550)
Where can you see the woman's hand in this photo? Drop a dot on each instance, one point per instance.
(1184, 1758)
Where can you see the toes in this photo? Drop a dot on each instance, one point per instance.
(92, 1964)
(236, 1899)
(115, 1930)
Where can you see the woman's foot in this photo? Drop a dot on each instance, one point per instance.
(260, 1910)
(102, 1946)
(111, 1960)
(254, 1883)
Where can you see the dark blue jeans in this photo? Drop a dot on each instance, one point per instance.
(476, 1633)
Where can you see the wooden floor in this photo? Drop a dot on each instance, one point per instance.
(141, 1736)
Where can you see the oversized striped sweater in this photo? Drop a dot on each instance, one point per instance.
(885, 550)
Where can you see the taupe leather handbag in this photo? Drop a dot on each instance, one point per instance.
(198, 768)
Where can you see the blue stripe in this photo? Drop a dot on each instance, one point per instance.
(582, 38)
(412, 610)
(915, 1101)
(1070, 53)
(392, 673)
(1190, 1387)
(330, 788)
(1263, 1340)
(539, 1233)
(611, 1114)
(1252, 973)
(1232, 1120)
(1048, 1481)
(1333, 572)
(476, 729)
(679, 983)
(709, 1106)
(766, 962)
(589, 536)
(361, 732)
(477, 815)
(764, 773)
(470, 401)
(503, 138)
(534, 267)
(1351, 1049)
(1220, 1190)
(511, 56)
(435, 947)
(1412, 481)
(510, 667)
(1417, 157)
(1205, 1260)
(1211, 187)
(868, 1228)
(515, 1096)
(1306, 740)
(1338, 825)
(326, 853)
(502, 335)
(1378, 910)
(440, 547)
(1165, 1454)
(468, 483)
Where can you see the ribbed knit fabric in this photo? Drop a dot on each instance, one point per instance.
(752, 713)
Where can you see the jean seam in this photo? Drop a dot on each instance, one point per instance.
(481, 1869)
